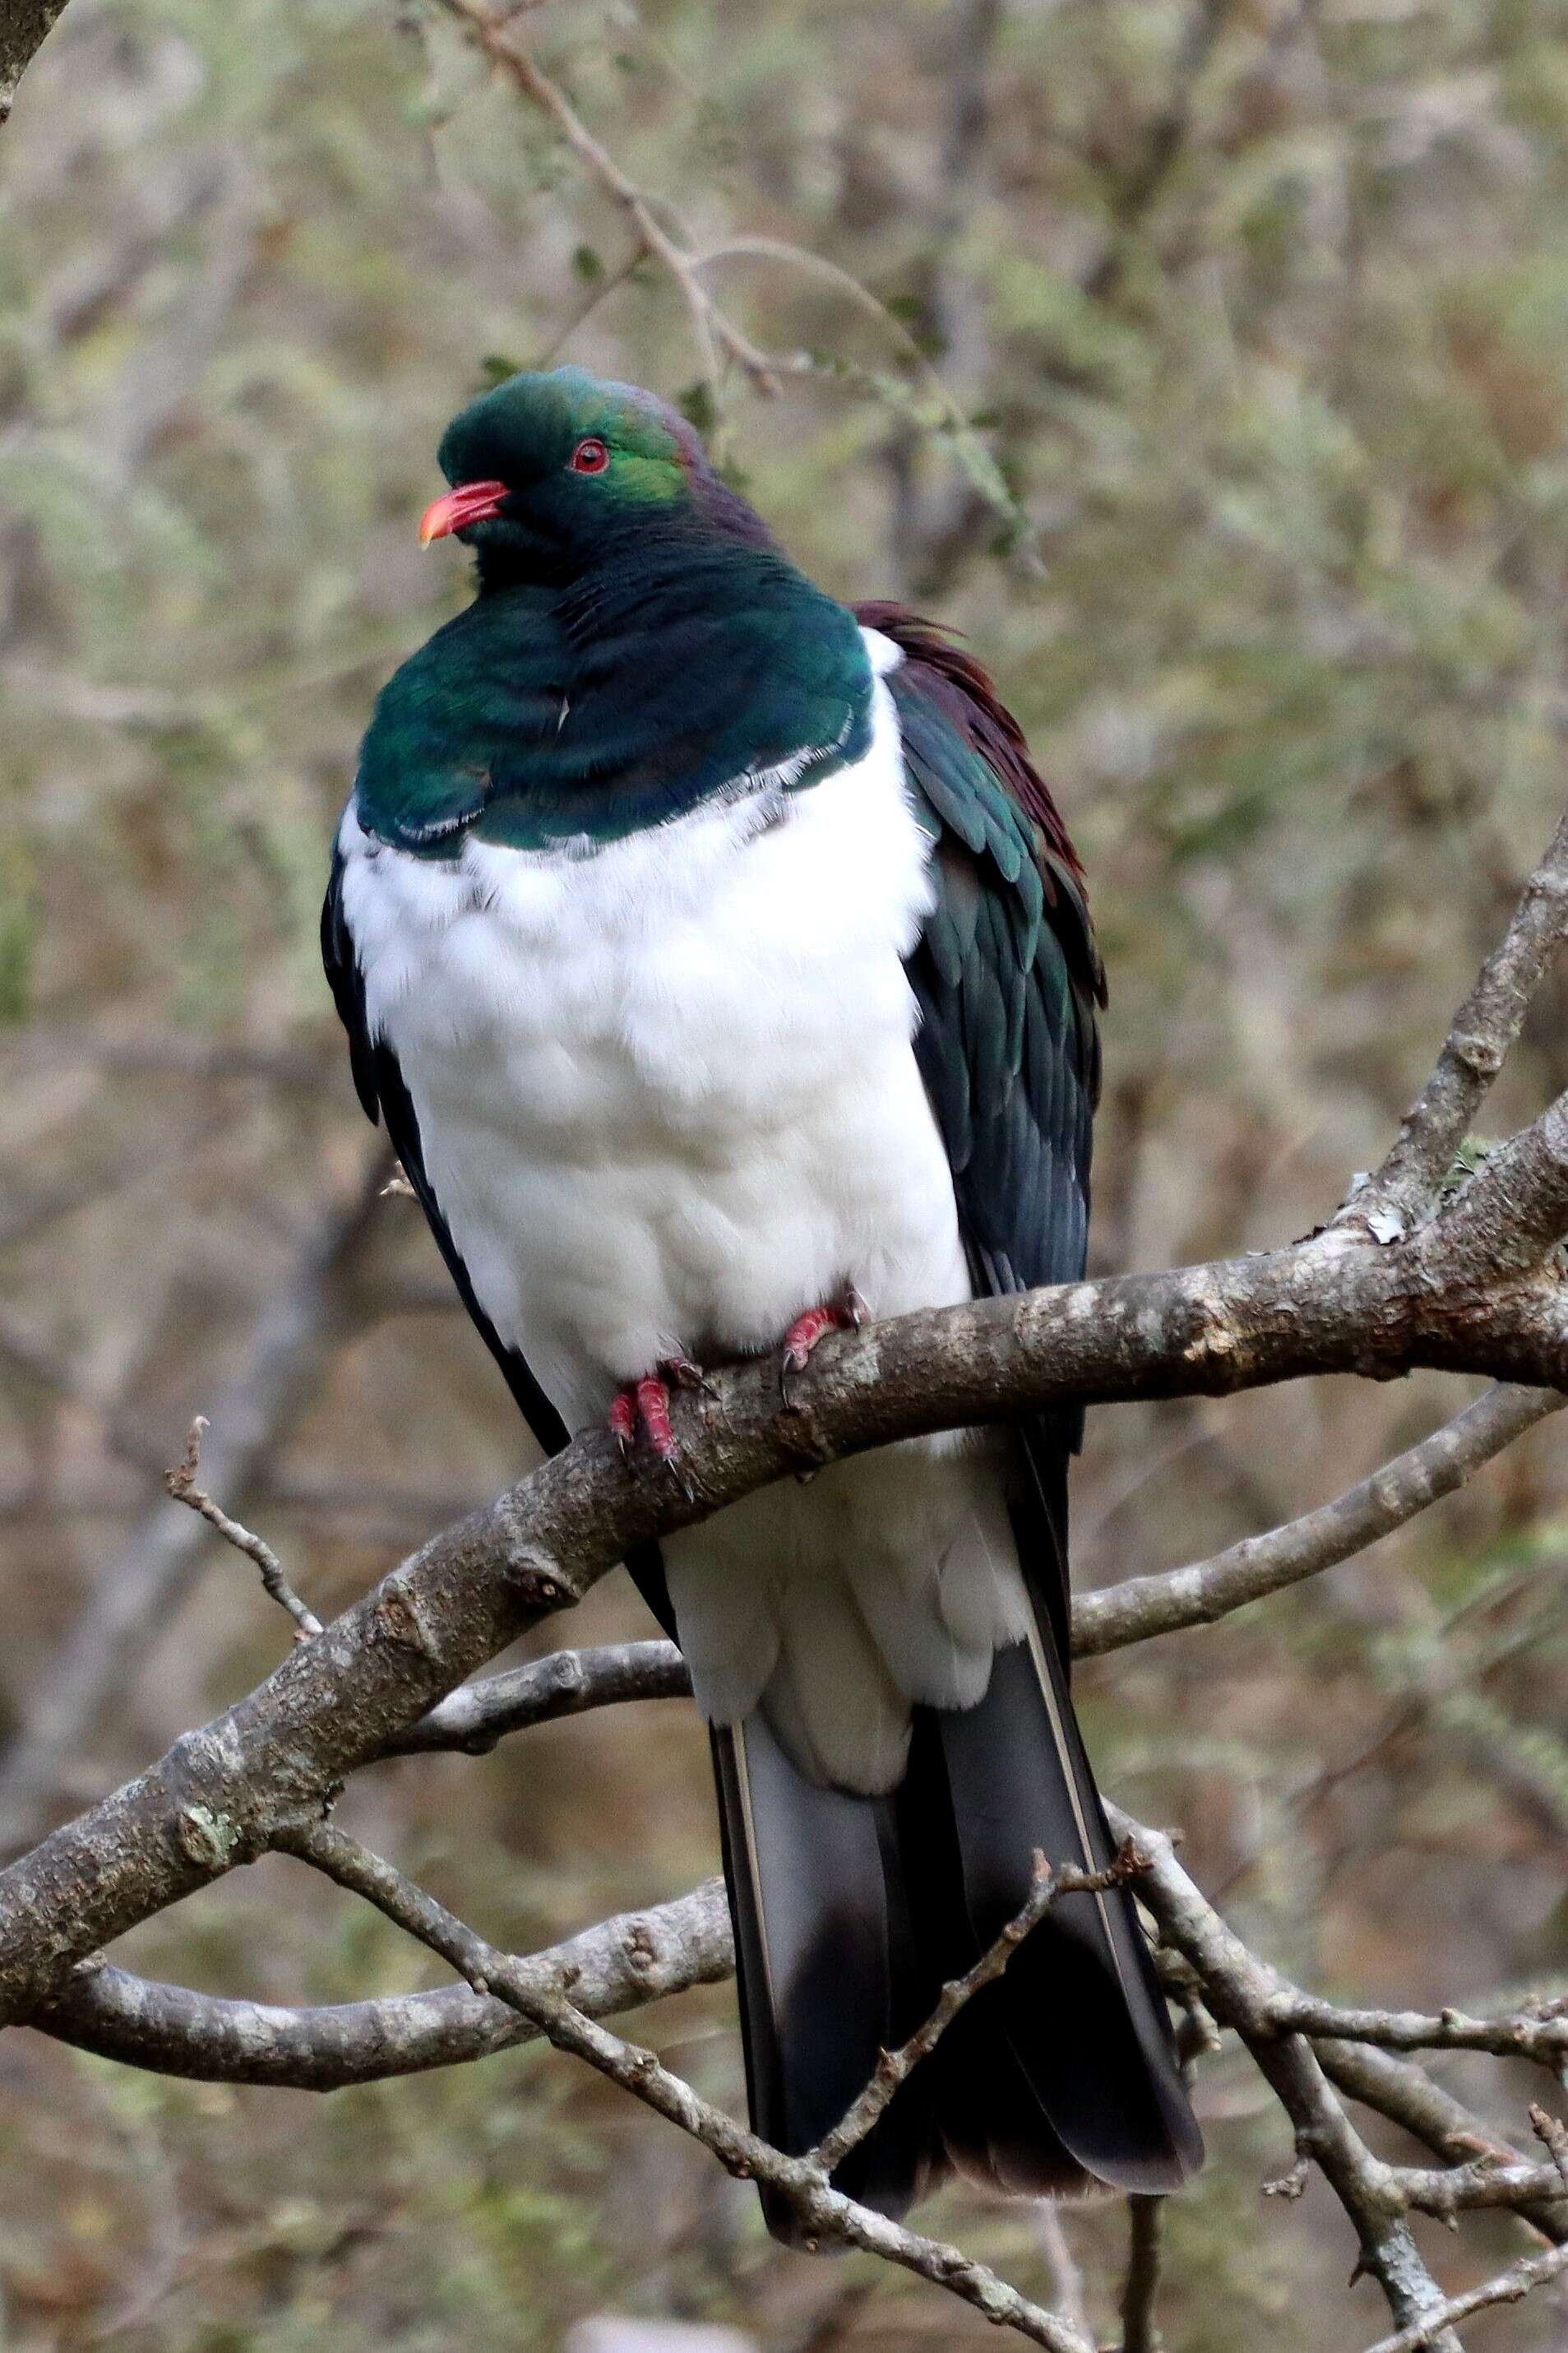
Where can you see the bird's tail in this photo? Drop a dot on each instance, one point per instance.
(850, 1912)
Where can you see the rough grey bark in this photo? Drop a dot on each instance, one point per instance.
(635, 1957)
(25, 25)
(223, 1794)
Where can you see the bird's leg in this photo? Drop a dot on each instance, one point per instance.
(844, 1314)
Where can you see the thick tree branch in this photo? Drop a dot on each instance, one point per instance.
(567, 1682)
(221, 1794)
(24, 25)
(1509, 1216)
(620, 1964)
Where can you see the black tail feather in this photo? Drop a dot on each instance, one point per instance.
(826, 1963)
(850, 1912)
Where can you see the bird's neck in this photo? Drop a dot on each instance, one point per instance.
(586, 709)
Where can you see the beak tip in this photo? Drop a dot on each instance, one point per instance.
(469, 502)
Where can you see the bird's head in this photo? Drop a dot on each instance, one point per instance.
(549, 470)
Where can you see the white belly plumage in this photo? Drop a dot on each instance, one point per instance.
(668, 1098)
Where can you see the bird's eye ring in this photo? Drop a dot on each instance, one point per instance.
(590, 457)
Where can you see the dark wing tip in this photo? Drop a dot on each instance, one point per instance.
(346, 982)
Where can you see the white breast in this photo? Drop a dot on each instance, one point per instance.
(668, 1098)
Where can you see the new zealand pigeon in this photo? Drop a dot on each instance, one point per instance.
(721, 969)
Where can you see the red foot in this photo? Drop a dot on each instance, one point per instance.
(844, 1314)
(641, 1409)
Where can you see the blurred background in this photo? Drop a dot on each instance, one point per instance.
(1262, 310)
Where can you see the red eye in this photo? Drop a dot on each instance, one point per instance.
(590, 457)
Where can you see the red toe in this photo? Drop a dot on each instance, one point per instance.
(653, 1412)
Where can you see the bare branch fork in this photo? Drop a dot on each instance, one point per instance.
(1471, 1286)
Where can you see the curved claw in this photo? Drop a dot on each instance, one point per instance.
(639, 1415)
(844, 1314)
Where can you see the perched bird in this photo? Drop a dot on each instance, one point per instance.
(721, 969)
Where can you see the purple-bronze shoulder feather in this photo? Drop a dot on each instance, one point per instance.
(966, 693)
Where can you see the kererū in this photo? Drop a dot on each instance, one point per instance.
(720, 967)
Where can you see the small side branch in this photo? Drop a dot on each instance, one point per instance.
(1507, 2287)
(539, 1996)
(1484, 1029)
(619, 1964)
(1540, 2035)
(1143, 1606)
(1240, 1990)
(1408, 2096)
(567, 1682)
(179, 1480)
(895, 2067)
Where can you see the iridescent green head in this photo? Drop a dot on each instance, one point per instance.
(548, 469)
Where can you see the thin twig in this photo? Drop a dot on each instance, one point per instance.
(1240, 1989)
(947, 415)
(1399, 1196)
(180, 1481)
(714, 330)
(1553, 2134)
(135, 1593)
(823, 2212)
(1507, 2287)
(1139, 2331)
(895, 2067)
(600, 291)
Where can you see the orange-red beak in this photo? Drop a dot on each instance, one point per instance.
(469, 502)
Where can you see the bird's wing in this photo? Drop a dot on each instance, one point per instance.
(1007, 978)
(386, 1099)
